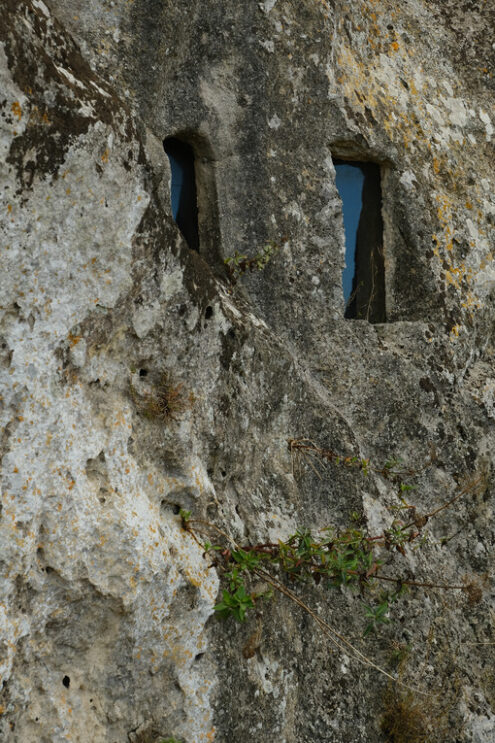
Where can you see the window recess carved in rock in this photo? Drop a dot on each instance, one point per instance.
(359, 185)
(193, 194)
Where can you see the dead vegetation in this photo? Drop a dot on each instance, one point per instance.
(165, 402)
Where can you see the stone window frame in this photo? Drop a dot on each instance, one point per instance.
(348, 151)
(209, 231)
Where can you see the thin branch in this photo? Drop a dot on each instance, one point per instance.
(215, 528)
(403, 582)
(336, 638)
(306, 446)
(471, 487)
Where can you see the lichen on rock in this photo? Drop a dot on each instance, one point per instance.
(106, 605)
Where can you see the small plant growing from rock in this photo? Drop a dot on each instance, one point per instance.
(166, 402)
(337, 558)
(331, 557)
(410, 719)
(239, 263)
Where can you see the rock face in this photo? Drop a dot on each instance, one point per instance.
(106, 600)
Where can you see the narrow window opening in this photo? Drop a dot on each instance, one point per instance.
(363, 279)
(183, 189)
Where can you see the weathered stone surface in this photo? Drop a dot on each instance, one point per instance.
(105, 599)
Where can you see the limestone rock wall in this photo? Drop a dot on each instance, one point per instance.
(106, 601)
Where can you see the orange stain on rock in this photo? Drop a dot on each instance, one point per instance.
(74, 339)
(16, 109)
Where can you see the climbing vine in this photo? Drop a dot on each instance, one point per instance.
(329, 557)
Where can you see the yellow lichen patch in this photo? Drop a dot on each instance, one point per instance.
(192, 580)
(444, 214)
(457, 275)
(73, 340)
(119, 419)
(16, 109)
(451, 280)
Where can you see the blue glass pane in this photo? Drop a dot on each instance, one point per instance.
(177, 169)
(183, 195)
(350, 180)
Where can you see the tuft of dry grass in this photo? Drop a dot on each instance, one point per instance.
(167, 402)
(473, 590)
(406, 718)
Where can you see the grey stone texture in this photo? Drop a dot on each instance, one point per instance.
(106, 603)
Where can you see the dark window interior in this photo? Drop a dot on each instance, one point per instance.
(183, 190)
(363, 279)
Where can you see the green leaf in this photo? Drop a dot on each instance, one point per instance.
(235, 604)
(185, 515)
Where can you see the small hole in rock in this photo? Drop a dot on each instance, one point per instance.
(208, 312)
(143, 372)
(211, 510)
(66, 681)
(224, 474)
(198, 656)
(176, 509)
